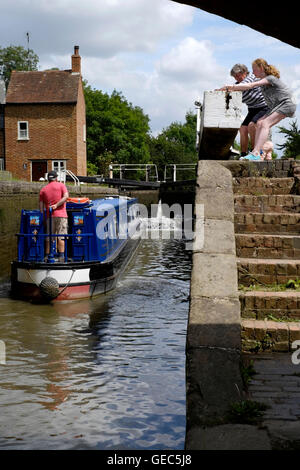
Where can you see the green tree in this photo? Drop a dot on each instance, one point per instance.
(176, 145)
(16, 58)
(117, 131)
(291, 147)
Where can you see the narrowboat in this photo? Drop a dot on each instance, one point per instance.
(102, 237)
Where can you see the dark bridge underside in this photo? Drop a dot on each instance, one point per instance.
(272, 19)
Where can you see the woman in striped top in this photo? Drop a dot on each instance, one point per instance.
(255, 101)
(278, 97)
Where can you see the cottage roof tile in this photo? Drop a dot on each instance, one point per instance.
(50, 86)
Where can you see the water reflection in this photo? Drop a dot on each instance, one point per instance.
(101, 374)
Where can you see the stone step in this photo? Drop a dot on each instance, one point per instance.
(280, 304)
(267, 271)
(260, 245)
(269, 336)
(261, 186)
(267, 203)
(271, 222)
(275, 168)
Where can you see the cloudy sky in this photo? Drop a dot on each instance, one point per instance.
(161, 55)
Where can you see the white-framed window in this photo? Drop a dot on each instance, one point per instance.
(59, 165)
(23, 130)
(84, 132)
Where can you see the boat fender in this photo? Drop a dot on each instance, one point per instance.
(49, 288)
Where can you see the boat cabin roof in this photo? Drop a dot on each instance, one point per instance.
(111, 203)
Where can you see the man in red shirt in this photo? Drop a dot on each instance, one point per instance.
(54, 195)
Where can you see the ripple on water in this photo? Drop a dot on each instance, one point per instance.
(101, 374)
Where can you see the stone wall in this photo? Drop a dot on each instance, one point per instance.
(273, 168)
(214, 330)
(249, 228)
(8, 188)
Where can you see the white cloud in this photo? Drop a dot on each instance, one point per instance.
(233, 36)
(160, 54)
(102, 28)
(168, 89)
(190, 60)
(166, 93)
(182, 75)
(295, 82)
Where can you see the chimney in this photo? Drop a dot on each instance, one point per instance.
(76, 61)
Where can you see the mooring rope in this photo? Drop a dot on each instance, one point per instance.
(73, 271)
(38, 285)
(34, 282)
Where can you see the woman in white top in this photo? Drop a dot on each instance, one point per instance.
(277, 96)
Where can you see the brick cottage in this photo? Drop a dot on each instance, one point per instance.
(45, 126)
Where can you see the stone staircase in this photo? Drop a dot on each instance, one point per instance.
(267, 231)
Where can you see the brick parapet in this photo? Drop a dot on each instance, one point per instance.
(267, 271)
(267, 203)
(279, 168)
(275, 222)
(269, 336)
(267, 246)
(258, 186)
(259, 304)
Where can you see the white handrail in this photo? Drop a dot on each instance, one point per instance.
(62, 176)
(122, 167)
(180, 167)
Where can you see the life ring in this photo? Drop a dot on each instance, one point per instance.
(78, 200)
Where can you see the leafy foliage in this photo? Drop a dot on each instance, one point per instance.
(246, 412)
(291, 146)
(175, 144)
(247, 372)
(293, 284)
(117, 131)
(16, 58)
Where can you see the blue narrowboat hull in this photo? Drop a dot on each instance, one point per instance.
(40, 281)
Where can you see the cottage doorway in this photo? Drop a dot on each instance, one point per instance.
(38, 170)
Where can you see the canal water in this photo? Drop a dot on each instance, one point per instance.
(102, 374)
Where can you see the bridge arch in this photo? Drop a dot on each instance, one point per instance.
(279, 22)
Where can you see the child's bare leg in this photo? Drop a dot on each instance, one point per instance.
(262, 129)
(252, 132)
